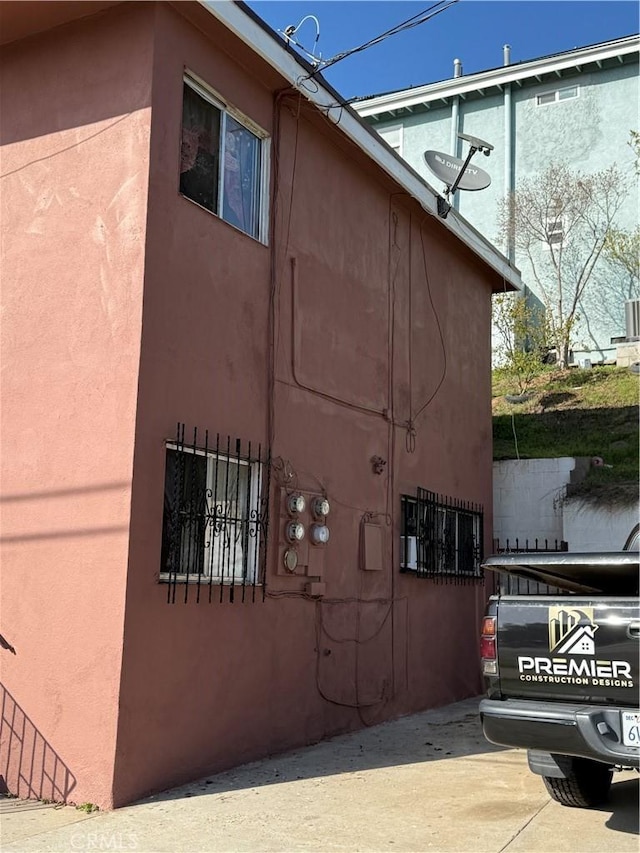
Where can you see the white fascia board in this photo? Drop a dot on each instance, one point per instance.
(495, 77)
(252, 34)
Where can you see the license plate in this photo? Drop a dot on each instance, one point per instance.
(631, 728)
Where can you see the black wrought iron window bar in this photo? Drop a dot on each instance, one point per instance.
(441, 537)
(216, 514)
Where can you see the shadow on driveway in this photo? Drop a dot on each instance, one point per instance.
(450, 732)
(623, 805)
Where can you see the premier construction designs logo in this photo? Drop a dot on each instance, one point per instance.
(571, 632)
(572, 660)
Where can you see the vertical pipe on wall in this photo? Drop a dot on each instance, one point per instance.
(508, 160)
(455, 120)
(508, 148)
(455, 110)
(455, 126)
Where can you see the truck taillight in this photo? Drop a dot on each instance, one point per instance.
(488, 646)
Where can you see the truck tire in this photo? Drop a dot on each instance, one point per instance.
(586, 785)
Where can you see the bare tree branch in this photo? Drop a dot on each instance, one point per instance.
(560, 221)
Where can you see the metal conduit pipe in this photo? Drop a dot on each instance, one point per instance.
(508, 149)
(455, 125)
(455, 120)
(455, 111)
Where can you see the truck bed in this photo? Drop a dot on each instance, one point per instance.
(606, 573)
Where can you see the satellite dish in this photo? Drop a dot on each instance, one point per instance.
(448, 168)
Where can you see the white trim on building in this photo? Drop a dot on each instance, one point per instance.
(517, 73)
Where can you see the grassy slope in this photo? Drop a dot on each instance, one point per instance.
(573, 413)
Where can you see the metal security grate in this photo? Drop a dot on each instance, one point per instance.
(215, 522)
(441, 538)
(519, 546)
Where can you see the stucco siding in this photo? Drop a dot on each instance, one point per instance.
(380, 330)
(75, 153)
(598, 528)
(352, 343)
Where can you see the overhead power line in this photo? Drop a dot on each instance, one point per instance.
(415, 21)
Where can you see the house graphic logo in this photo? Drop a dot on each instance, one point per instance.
(571, 631)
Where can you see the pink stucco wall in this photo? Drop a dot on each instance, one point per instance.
(205, 686)
(75, 152)
(375, 305)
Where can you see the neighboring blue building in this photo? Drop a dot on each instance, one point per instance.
(577, 107)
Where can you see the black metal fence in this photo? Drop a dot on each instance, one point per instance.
(216, 515)
(441, 538)
(526, 546)
(511, 585)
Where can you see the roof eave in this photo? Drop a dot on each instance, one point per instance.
(495, 77)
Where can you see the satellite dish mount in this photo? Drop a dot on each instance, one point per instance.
(456, 173)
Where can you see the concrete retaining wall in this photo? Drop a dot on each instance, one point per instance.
(529, 503)
(596, 528)
(527, 497)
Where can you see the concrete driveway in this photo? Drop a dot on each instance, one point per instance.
(428, 782)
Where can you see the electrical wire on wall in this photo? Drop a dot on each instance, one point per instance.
(387, 692)
(437, 319)
(272, 330)
(278, 268)
(410, 424)
(320, 65)
(285, 473)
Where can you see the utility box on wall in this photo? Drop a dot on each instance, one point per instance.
(371, 547)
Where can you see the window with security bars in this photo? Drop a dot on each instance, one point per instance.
(215, 515)
(441, 537)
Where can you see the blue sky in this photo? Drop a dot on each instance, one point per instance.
(473, 30)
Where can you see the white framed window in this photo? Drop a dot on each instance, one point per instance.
(555, 95)
(224, 161)
(554, 226)
(214, 518)
(393, 136)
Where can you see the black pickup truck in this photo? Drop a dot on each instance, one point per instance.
(561, 669)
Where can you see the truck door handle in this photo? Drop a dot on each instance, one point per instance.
(633, 630)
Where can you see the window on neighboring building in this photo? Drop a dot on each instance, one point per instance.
(214, 522)
(223, 162)
(441, 537)
(554, 226)
(564, 94)
(393, 136)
